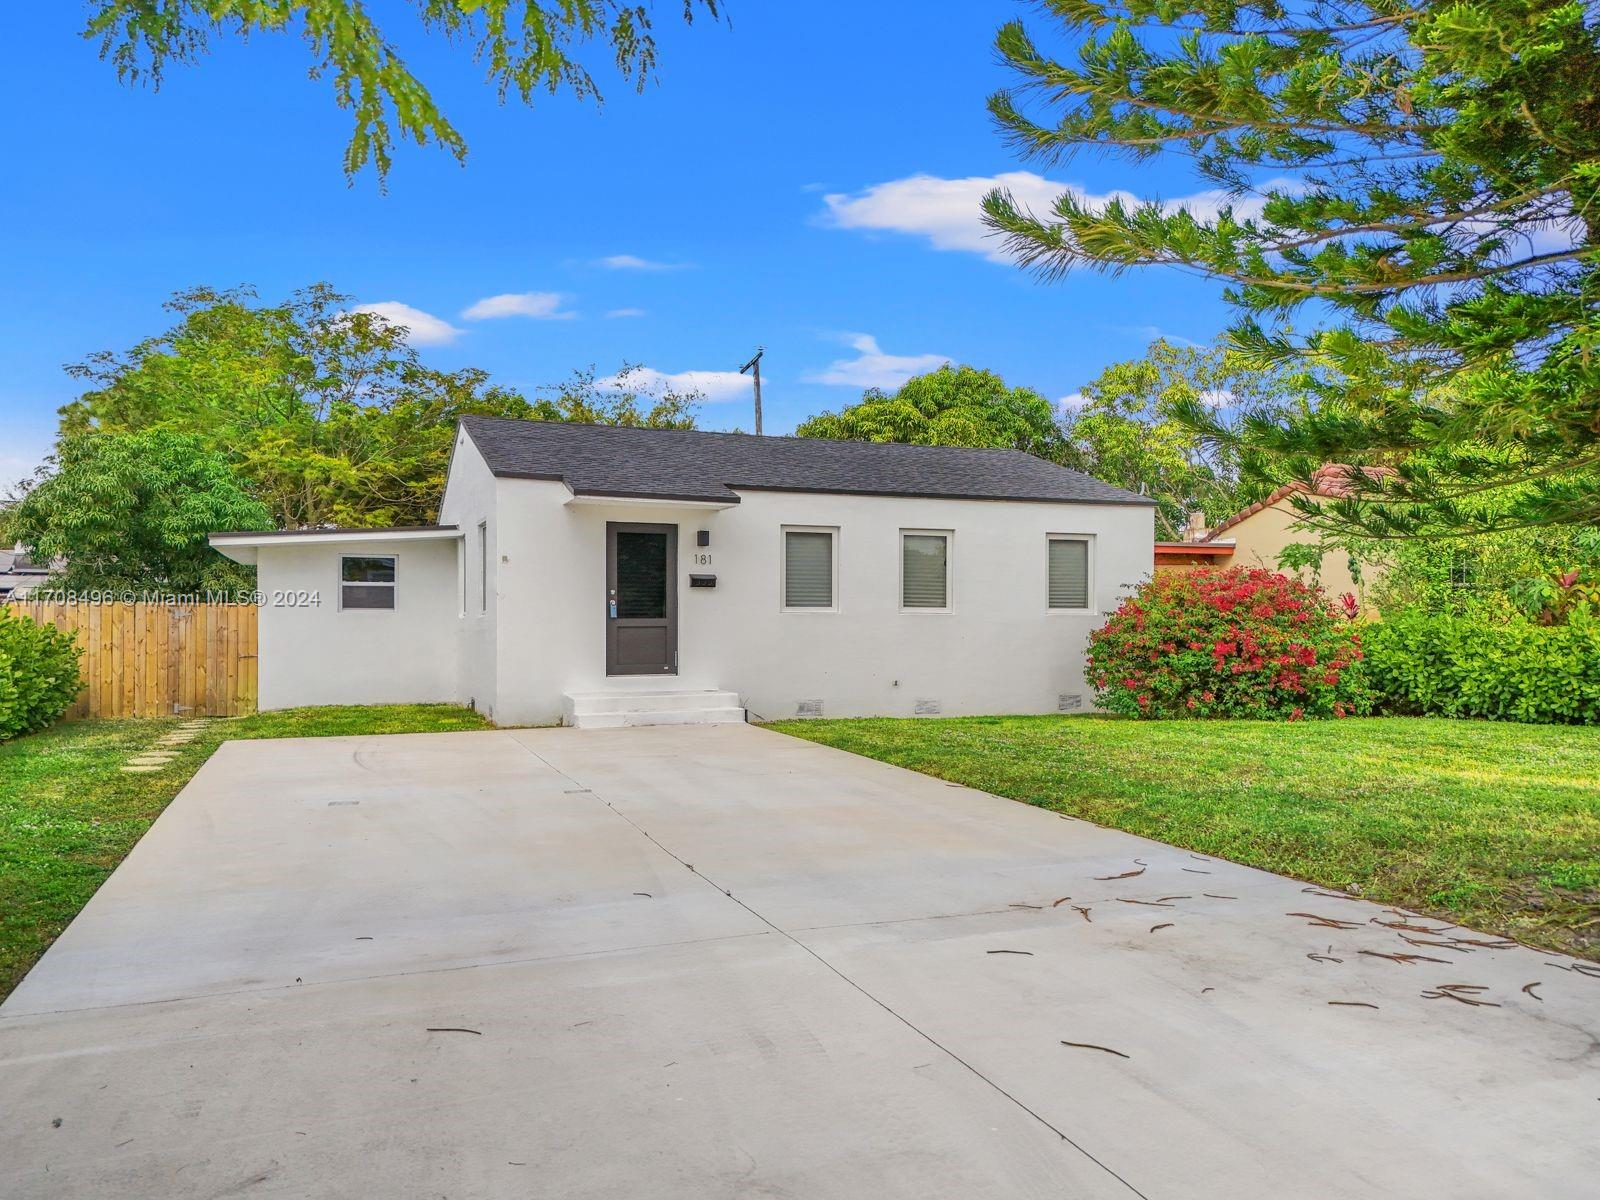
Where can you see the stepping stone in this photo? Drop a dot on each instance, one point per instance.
(155, 758)
(141, 770)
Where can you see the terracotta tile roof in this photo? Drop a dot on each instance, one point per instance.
(1331, 482)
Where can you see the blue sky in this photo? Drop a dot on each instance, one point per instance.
(802, 176)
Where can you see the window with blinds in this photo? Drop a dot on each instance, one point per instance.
(1069, 573)
(807, 568)
(924, 570)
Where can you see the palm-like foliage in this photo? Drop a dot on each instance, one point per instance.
(1420, 180)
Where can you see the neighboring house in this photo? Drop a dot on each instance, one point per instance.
(607, 575)
(19, 573)
(1255, 536)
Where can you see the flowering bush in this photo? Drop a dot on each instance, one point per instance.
(1234, 643)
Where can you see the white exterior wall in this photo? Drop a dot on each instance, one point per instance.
(314, 653)
(541, 632)
(999, 649)
(469, 499)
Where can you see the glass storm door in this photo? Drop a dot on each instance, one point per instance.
(641, 599)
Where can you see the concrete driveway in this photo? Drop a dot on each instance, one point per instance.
(719, 962)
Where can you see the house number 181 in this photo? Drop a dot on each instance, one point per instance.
(702, 560)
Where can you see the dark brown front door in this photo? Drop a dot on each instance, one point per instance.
(641, 599)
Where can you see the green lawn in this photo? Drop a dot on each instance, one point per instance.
(1491, 824)
(68, 813)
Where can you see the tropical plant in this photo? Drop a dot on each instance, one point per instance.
(953, 406)
(1239, 642)
(38, 674)
(133, 511)
(1558, 598)
(1421, 181)
(527, 48)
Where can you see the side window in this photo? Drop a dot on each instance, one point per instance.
(809, 564)
(1069, 573)
(366, 581)
(483, 566)
(924, 570)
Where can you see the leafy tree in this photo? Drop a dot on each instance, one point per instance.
(133, 511)
(328, 416)
(1493, 576)
(953, 406)
(528, 47)
(1128, 430)
(627, 398)
(1421, 179)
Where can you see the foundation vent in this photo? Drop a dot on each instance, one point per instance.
(927, 708)
(1069, 702)
(808, 708)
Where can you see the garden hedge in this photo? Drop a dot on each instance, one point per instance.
(1450, 665)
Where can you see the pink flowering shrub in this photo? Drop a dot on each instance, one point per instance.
(1234, 643)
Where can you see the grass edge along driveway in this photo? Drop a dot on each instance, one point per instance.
(69, 813)
(1487, 824)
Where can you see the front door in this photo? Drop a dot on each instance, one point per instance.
(641, 599)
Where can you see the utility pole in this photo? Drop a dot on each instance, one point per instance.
(753, 367)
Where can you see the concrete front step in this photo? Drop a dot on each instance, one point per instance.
(649, 701)
(674, 716)
(612, 710)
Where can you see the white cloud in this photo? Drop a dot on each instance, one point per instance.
(624, 312)
(947, 213)
(540, 306)
(1073, 402)
(716, 387)
(1216, 397)
(632, 262)
(872, 367)
(424, 329)
(1150, 333)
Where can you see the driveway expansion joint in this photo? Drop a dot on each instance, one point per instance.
(579, 786)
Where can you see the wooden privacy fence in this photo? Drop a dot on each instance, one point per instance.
(158, 660)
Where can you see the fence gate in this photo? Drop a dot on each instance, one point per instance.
(158, 660)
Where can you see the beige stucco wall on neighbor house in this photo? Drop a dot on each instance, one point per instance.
(1263, 535)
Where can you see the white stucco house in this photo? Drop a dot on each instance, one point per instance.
(603, 575)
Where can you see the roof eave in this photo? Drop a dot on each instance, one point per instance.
(1131, 502)
(244, 546)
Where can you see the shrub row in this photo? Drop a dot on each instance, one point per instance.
(38, 674)
(1467, 666)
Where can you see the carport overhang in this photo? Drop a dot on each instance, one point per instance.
(245, 546)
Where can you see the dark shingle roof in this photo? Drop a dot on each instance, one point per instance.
(681, 464)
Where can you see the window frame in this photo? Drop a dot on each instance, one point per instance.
(483, 568)
(949, 537)
(783, 567)
(1089, 609)
(393, 585)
